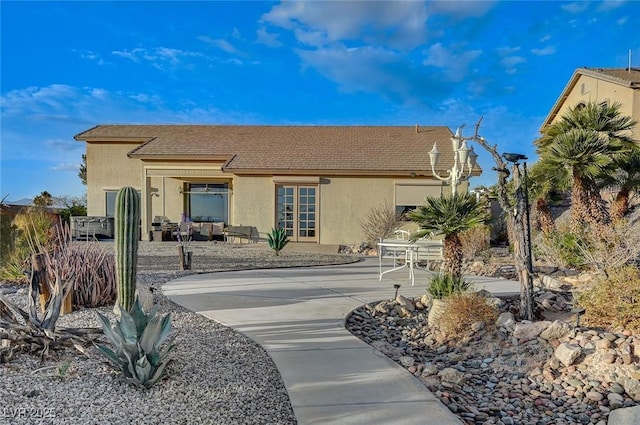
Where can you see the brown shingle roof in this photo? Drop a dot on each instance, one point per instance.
(625, 76)
(252, 149)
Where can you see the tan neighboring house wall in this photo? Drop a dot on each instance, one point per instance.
(108, 169)
(600, 85)
(334, 175)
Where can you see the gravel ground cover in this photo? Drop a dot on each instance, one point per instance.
(218, 376)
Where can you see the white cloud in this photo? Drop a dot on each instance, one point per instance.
(159, 57)
(368, 69)
(549, 50)
(399, 25)
(575, 7)
(267, 38)
(64, 145)
(455, 66)
(545, 38)
(510, 62)
(461, 9)
(66, 166)
(90, 55)
(219, 43)
(622, 20)
(607, 5)
(506, 51)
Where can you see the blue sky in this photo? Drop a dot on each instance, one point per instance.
(68, 66)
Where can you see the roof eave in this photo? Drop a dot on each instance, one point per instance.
(173, 158)
(112, 139)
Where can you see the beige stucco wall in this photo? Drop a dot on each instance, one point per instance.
(594, 90)
(253, 202)
(343, 200)
(109, 168)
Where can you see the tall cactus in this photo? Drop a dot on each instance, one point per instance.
(127, 217)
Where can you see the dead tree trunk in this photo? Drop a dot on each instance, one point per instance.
(516, 214)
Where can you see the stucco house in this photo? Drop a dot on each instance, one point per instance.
(608, 85)
(317, 182)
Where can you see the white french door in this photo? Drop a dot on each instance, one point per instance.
(297, 213)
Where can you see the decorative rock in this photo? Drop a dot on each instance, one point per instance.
(506, 320)
(551, 283)
(626, 416)
(429, 370)
(449, 374)
(603, 344)
(594, 396)
(527, 331)
(631, 387)
(556, 330)
(615, 400)
(405, 303)
(406, 361)
(567, 353)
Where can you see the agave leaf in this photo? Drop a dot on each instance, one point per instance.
(165, 329)
(154, 357)
(139, 317)
(143, 369)
(150, 336)
(128, 328)
(157, 374)
(114, 337)
(111, 356)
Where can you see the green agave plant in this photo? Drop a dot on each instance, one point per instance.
(277, 239)
(136, 339)
(446, 284)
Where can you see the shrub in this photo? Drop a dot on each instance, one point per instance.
(136, 339)
(379, 223)
(611, 246)
(444, 285)
(463, 310)
(561, 248)
(614, 301)
(277, 240)
(29, 229)
(475, 240)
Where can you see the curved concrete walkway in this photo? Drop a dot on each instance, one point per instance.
(298, 316)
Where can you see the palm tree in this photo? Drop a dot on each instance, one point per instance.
(543, 189)
(626, 179)
(580, 149)
(449, 216)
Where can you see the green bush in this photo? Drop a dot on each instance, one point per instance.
(444, 285)
(613, 302)
(136, 339)
(561, 248)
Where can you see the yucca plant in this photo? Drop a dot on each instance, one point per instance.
(445, 284)
(136, 339)
(277, 239)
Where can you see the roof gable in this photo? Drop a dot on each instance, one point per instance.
(628, 77)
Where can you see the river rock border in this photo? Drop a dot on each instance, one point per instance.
(543, 372)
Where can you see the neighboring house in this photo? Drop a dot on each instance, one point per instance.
(317, 182)
(600, 85)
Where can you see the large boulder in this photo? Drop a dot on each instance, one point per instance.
(556, 330)
(567, 353)
(625, 416)
(527, 331)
